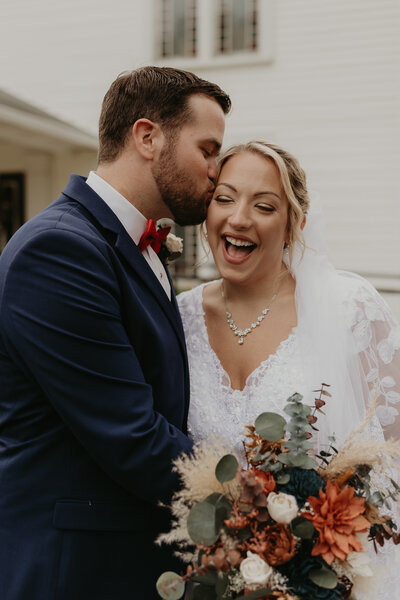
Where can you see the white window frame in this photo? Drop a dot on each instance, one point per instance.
(205, 57)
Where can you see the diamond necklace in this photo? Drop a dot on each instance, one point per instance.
(241, 333)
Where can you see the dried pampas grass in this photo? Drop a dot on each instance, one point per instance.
(197, 473)
(359, 448)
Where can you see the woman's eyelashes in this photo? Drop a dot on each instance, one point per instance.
(262, 207)
(265, 207)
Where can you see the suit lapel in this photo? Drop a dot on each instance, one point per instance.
(125, 246)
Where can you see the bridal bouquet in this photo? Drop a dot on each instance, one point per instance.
(293, 524)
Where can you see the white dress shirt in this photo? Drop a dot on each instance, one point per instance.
(133, 221)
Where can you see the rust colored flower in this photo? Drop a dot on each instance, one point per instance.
(267, 479)
(274, 543)
(281, 545)
(337, 518)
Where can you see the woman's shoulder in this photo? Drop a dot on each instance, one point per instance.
(363, 304)
(355, 288)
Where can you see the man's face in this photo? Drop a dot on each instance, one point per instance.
(186, 167)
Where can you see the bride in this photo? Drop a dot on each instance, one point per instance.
(281, 319)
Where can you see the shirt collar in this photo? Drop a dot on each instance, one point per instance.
(132, 219)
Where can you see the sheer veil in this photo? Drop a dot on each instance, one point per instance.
(330, 350)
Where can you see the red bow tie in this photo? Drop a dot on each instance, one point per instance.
(152, 237)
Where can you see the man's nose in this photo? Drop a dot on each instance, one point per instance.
(212, 170)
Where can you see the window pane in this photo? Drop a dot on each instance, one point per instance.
(178, 28)
(237, 26)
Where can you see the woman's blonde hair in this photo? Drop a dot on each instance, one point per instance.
(293, 180)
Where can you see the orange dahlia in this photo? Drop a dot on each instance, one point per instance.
(337, 518)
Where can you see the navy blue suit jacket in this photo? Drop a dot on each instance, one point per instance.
(94, 393)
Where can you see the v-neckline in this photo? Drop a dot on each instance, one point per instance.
(263, 364)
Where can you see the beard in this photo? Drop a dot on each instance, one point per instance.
(178, 189)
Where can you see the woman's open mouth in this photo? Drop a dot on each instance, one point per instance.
(237, 249)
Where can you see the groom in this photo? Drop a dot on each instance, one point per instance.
(94, 385)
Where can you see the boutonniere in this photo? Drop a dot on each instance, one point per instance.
(171, 248)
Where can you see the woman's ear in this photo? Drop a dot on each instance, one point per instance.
(147, 137)
(303, 223)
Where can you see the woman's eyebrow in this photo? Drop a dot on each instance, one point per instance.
(256, 195)
(267, 193)
(227, 185)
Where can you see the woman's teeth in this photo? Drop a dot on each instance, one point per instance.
(237, 248)
(236, 242)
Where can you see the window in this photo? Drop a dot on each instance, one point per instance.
(177, 33)
(11, 205)
(237, 29)
(212, 33)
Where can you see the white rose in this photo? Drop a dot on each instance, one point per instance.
(359, 563)
(254, 569)
(174, 244)
(282, 507)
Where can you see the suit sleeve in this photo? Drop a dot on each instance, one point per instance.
(62, 323)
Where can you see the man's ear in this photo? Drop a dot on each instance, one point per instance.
(147, 137)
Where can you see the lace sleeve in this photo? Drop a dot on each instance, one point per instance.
(377, 337)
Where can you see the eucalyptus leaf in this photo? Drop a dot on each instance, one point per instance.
(221, 585)
(303, 528)
(292, 409)
(295, 460)
(209, 578)
(283, 478)
(283, 458)
(226, 468)
(295, 397)
(272, 468)
(305, 410)
(170, 586)
(270, 426)
(324, 578)
(309, 463)
(256, 594)
(219, 500)
(203, 592)
(298, 426)
(395, 485)
(376, 499)
(305, 445)
(201, 523)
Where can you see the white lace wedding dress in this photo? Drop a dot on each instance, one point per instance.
(217, 409)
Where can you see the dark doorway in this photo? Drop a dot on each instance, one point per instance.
(12, 195)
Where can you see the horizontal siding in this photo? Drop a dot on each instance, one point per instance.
(331, 94)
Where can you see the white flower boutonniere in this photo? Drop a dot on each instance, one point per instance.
(172, 247)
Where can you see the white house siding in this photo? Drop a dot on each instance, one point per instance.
(62, 55)
(331, 94)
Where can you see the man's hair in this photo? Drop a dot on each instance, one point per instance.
(159, 94)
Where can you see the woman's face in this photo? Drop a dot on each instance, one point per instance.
(247, 219)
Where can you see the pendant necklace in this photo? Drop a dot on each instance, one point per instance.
(241, 333)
